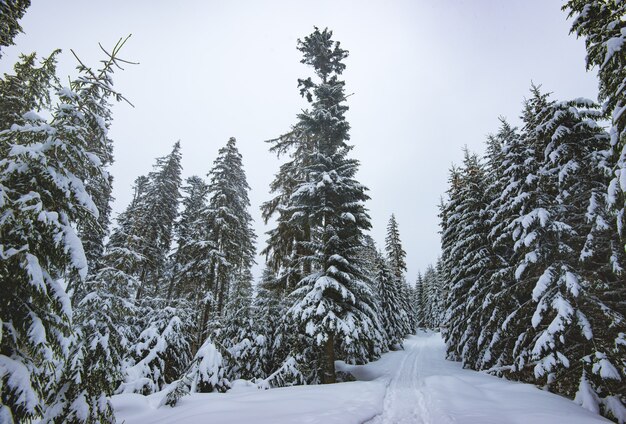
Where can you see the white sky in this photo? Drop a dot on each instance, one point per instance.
(428, 77)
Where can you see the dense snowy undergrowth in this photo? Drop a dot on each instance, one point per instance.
(415, 385)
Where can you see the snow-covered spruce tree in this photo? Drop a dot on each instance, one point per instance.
(450, 216)
(216, 240)
(396, 257)
(504, 167)
(189, 266)
(472, 257)
(94, 90)
(369, 256)
(569, 347)
(191, 260)
(28, 89)
(602, 25)
(161, 328)
(161, 352)
(389, 292)
(245, 347)
(416, 300)
(332, 304)
(154, 222)
(93, 368)
(230, 223)
(509, 311)
(433, 299)
(125, 236)
(204, 374)
(43, 200)
(11, 12)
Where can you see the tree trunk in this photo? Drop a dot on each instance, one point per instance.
(328, 376)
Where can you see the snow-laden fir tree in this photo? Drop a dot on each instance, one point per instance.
(189, 264)
(449, 220)
(161, 351)
(92, 371)
(191, 260)
(126, 238)
(94, 90)
(416, 300)
(28, 89)
(522, 161)
(568, 347)
(213, 264)
(471, 259)
(392, 316)
(43, 199)
(11, 12)
(433, 299)
(155, 215)
(204, 374)
(239, 335)
(231, 234)
(321, 218)
(603, 26)
(503, 165)
(268, 313)
(396, 257)
(216, 240)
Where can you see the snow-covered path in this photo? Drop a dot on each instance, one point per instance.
(425, 388)
(414, 385)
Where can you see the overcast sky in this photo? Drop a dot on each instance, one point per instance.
(428, 77)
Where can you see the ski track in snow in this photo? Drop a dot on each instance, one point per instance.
(405, 401)
(414, 385)
(424, 388)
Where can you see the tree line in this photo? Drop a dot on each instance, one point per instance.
(533, 236)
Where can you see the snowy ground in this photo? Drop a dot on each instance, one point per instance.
(416, 385)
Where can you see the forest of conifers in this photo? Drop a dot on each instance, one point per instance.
(530, 284)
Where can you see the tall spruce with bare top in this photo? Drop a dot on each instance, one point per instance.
(321, 216)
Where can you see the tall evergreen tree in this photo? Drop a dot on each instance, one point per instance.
(471, 257)
(94, 90)
(44, 200)
(396, 256)
(230, 222)
(602, 25)
(393, 247)
(156, 215)
(503, 165)
(393, 319)
(417, 300)
(317, 238)
(93, 369)
(568, 343)
(11, 11)
(190, 265)
(160, 349)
